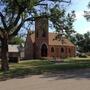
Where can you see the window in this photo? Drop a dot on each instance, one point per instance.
(43, 34)
(43, 23)
(44, 50)
(62, 50)
(52, 49)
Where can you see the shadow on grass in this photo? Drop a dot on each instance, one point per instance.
(18, 73)
(68, 74)
(57, 71)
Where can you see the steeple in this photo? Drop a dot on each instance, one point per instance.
(41, 36)
(41, 27)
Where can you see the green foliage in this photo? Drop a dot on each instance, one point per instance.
(87, 13)
(70, 18)
(15, 13)
(82, 41)
(16, 40)
(62, 22)
(38, 63)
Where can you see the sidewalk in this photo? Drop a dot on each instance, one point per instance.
(41, 82)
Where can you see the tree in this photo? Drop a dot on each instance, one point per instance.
(15, 14)
(87, 13)
(87, 35)
(82, 41)
(86, 44)
(62, 22)
(16, 40)
(79, 41)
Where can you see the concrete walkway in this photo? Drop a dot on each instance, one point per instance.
(48, 82)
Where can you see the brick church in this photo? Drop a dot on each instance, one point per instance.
(41, 43)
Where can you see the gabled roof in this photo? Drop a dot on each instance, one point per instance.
(53, 41)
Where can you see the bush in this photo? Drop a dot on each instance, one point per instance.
(82, 55)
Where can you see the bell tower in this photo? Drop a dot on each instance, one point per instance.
(41, 27)
(41, 34)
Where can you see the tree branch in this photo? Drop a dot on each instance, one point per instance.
(20, 11)
(1, 29)
(15, 32)
(3, 20)
(1, 38)
(1, 35)
(16, 2)
(65, 1)
(29, 19)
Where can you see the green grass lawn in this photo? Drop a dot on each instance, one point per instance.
(34, 67)
(77, 58)
(30, 63)
(24, 68)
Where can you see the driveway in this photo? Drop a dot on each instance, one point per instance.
(63, 80)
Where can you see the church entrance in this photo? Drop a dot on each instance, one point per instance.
(44, 51)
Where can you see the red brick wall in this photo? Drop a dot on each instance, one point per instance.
(69, 51)
(34, 51)
(39, 39)
(29, 48)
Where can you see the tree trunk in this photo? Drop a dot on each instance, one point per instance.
(4, 55)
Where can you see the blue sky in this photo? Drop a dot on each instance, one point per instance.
(80, 25)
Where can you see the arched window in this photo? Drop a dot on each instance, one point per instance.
(52, 49)
(44, 50)
(43, 23)
(43, 33)
(62, 50)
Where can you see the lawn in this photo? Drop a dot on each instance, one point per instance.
(34, 67)
(78, 58)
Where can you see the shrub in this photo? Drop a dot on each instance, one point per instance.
(82, 55)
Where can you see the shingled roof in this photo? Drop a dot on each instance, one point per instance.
(53, 41)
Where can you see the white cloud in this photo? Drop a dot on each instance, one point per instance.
(79, 15)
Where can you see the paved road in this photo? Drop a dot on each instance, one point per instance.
(49, 82)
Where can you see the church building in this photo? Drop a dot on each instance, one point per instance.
(41, 43)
